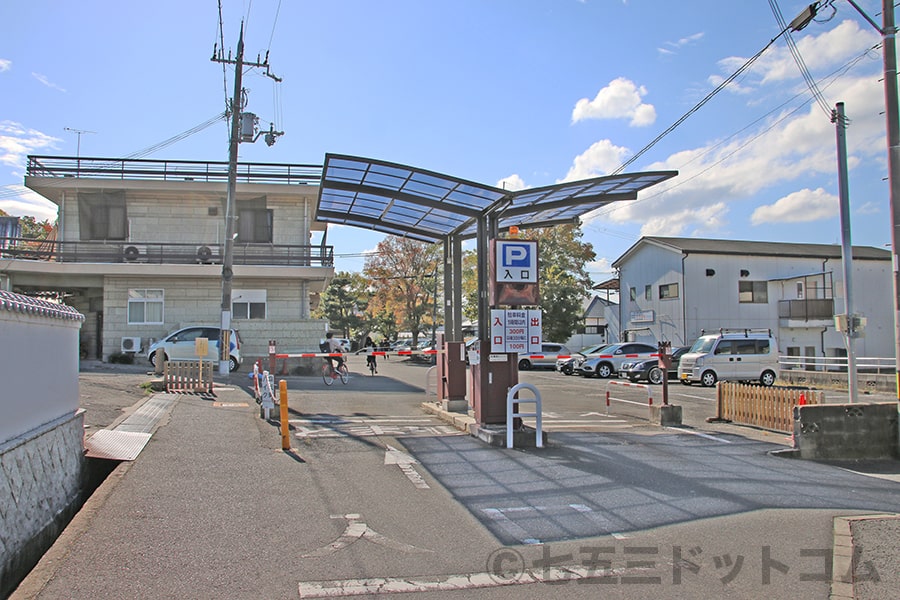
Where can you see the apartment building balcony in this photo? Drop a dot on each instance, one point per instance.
(170, 170)
(813, 312)
(165, 253)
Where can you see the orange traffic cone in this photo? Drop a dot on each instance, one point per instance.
(802, 399)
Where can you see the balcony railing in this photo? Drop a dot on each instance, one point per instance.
(814, 309)
(165, 253)
(170, 170)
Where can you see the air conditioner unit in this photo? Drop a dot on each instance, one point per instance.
(134, 253)
(207, 255)
(131, 344)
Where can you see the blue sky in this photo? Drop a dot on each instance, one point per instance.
(521, 93)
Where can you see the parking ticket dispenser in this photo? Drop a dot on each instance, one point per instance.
(451, 370)
(492, 377)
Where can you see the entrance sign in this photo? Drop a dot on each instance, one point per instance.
(517, 261)
(513, 272)
(516, 331)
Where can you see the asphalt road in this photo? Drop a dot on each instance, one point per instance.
(383, 495)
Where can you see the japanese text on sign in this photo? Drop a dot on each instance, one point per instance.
(516, 331)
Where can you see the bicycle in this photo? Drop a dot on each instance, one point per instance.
(370, 362)
(329, 373)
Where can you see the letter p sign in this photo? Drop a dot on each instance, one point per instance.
(516, 255)
(516, 261)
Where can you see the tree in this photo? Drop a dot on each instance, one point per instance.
(564, 282)
(31, 228)
(344, 303)
(404, 274)
(563, 278)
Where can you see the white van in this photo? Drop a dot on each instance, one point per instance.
(731, 355)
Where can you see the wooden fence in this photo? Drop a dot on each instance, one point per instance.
(759, 406)
(188, 375)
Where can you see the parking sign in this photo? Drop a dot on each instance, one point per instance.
(517, 261)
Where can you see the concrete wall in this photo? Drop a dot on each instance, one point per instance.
(846, 431)
(199, 301)
(41, 432)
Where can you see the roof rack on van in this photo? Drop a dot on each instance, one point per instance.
(746, 331)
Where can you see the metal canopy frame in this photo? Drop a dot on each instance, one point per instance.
(432, 207)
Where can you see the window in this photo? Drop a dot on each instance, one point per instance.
(255, 226)
(145, 307)
(102, 216)
(648, 292)
(632, 293)
(248, 304)
(668, 290)
(755, 292)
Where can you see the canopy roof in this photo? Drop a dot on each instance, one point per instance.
(430, 207)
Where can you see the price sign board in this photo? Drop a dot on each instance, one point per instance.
(516, 331)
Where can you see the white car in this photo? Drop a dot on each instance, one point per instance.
(181, 345)
(569, 365)
(547, 357)
(609, 361)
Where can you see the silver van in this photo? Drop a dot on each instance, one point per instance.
(731, 355)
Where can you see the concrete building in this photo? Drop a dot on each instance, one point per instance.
(139, 249)
(672, 288)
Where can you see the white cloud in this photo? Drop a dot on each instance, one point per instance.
(621, 99)
(819, 52)
(43, 79)
(601, 265)
(868, 208)
(671, 47)
(5, 65)
(799, 207)
(789, 149)
(27, 204)
(601, 158)
(512, 183)
(17, 142)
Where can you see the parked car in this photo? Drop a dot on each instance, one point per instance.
(569, 365)
(547, 358)
(731, 355)
(181, 344)
(609, 361)
(649, 369)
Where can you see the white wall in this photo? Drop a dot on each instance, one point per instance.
(38, 364)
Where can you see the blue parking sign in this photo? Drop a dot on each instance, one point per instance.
(516, 261)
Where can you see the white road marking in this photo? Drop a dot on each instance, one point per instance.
(392, 456)
(448, 583)
(355, 531)
(697, 433)
(692, 396)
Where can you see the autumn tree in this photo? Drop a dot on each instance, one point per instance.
(403, 275)
(31, 228)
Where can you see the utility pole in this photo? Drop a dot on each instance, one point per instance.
(234, 139)
(849, 326)
(888, 33)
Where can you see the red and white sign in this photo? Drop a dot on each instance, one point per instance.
(516, 331)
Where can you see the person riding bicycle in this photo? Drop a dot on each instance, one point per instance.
(334, 347)
(371, 361)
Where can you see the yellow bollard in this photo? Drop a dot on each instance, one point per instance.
(285, 433)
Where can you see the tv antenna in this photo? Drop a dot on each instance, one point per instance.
(78, 133)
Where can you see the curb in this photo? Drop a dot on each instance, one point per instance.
(842, 562)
